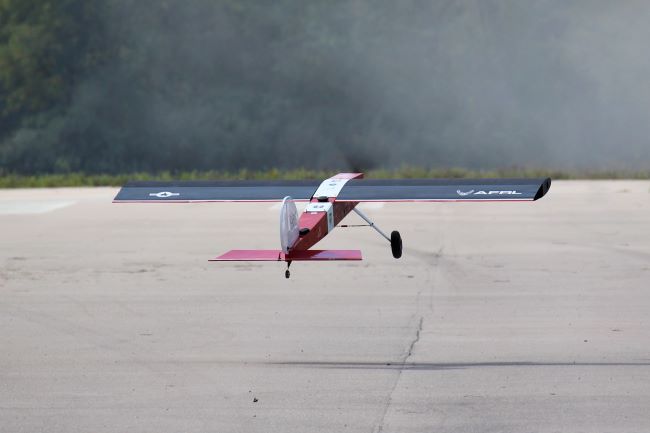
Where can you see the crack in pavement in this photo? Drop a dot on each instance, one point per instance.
(380, 425)
(434, 265)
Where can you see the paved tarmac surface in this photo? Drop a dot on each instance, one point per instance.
(500, 317)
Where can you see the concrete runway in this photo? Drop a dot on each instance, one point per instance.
(500, 317)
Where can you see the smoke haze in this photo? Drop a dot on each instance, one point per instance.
(198, 84)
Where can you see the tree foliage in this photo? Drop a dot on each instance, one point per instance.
(46, 48)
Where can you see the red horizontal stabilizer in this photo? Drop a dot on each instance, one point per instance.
(250, 256)
(279, 256)
(324, 255)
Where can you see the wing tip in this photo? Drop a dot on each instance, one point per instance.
(543, 188)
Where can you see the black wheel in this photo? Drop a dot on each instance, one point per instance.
(396, 244)
(287, 273)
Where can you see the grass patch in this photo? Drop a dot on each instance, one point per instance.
(83, 179)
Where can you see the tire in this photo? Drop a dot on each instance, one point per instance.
(396, 244)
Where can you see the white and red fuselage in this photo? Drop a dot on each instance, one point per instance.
(323, 212)
(321, 215)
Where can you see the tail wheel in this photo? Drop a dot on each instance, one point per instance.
(396, 244)
(287, 273)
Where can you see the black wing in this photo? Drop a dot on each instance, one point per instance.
(444, 190)
(209, 191)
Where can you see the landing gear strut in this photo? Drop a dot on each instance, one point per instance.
(395, 238)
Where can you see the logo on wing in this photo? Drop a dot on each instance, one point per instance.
(499, 192)
(164, 194)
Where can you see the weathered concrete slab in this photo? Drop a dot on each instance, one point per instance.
(503, 317)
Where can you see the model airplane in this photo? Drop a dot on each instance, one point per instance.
(329, 202)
